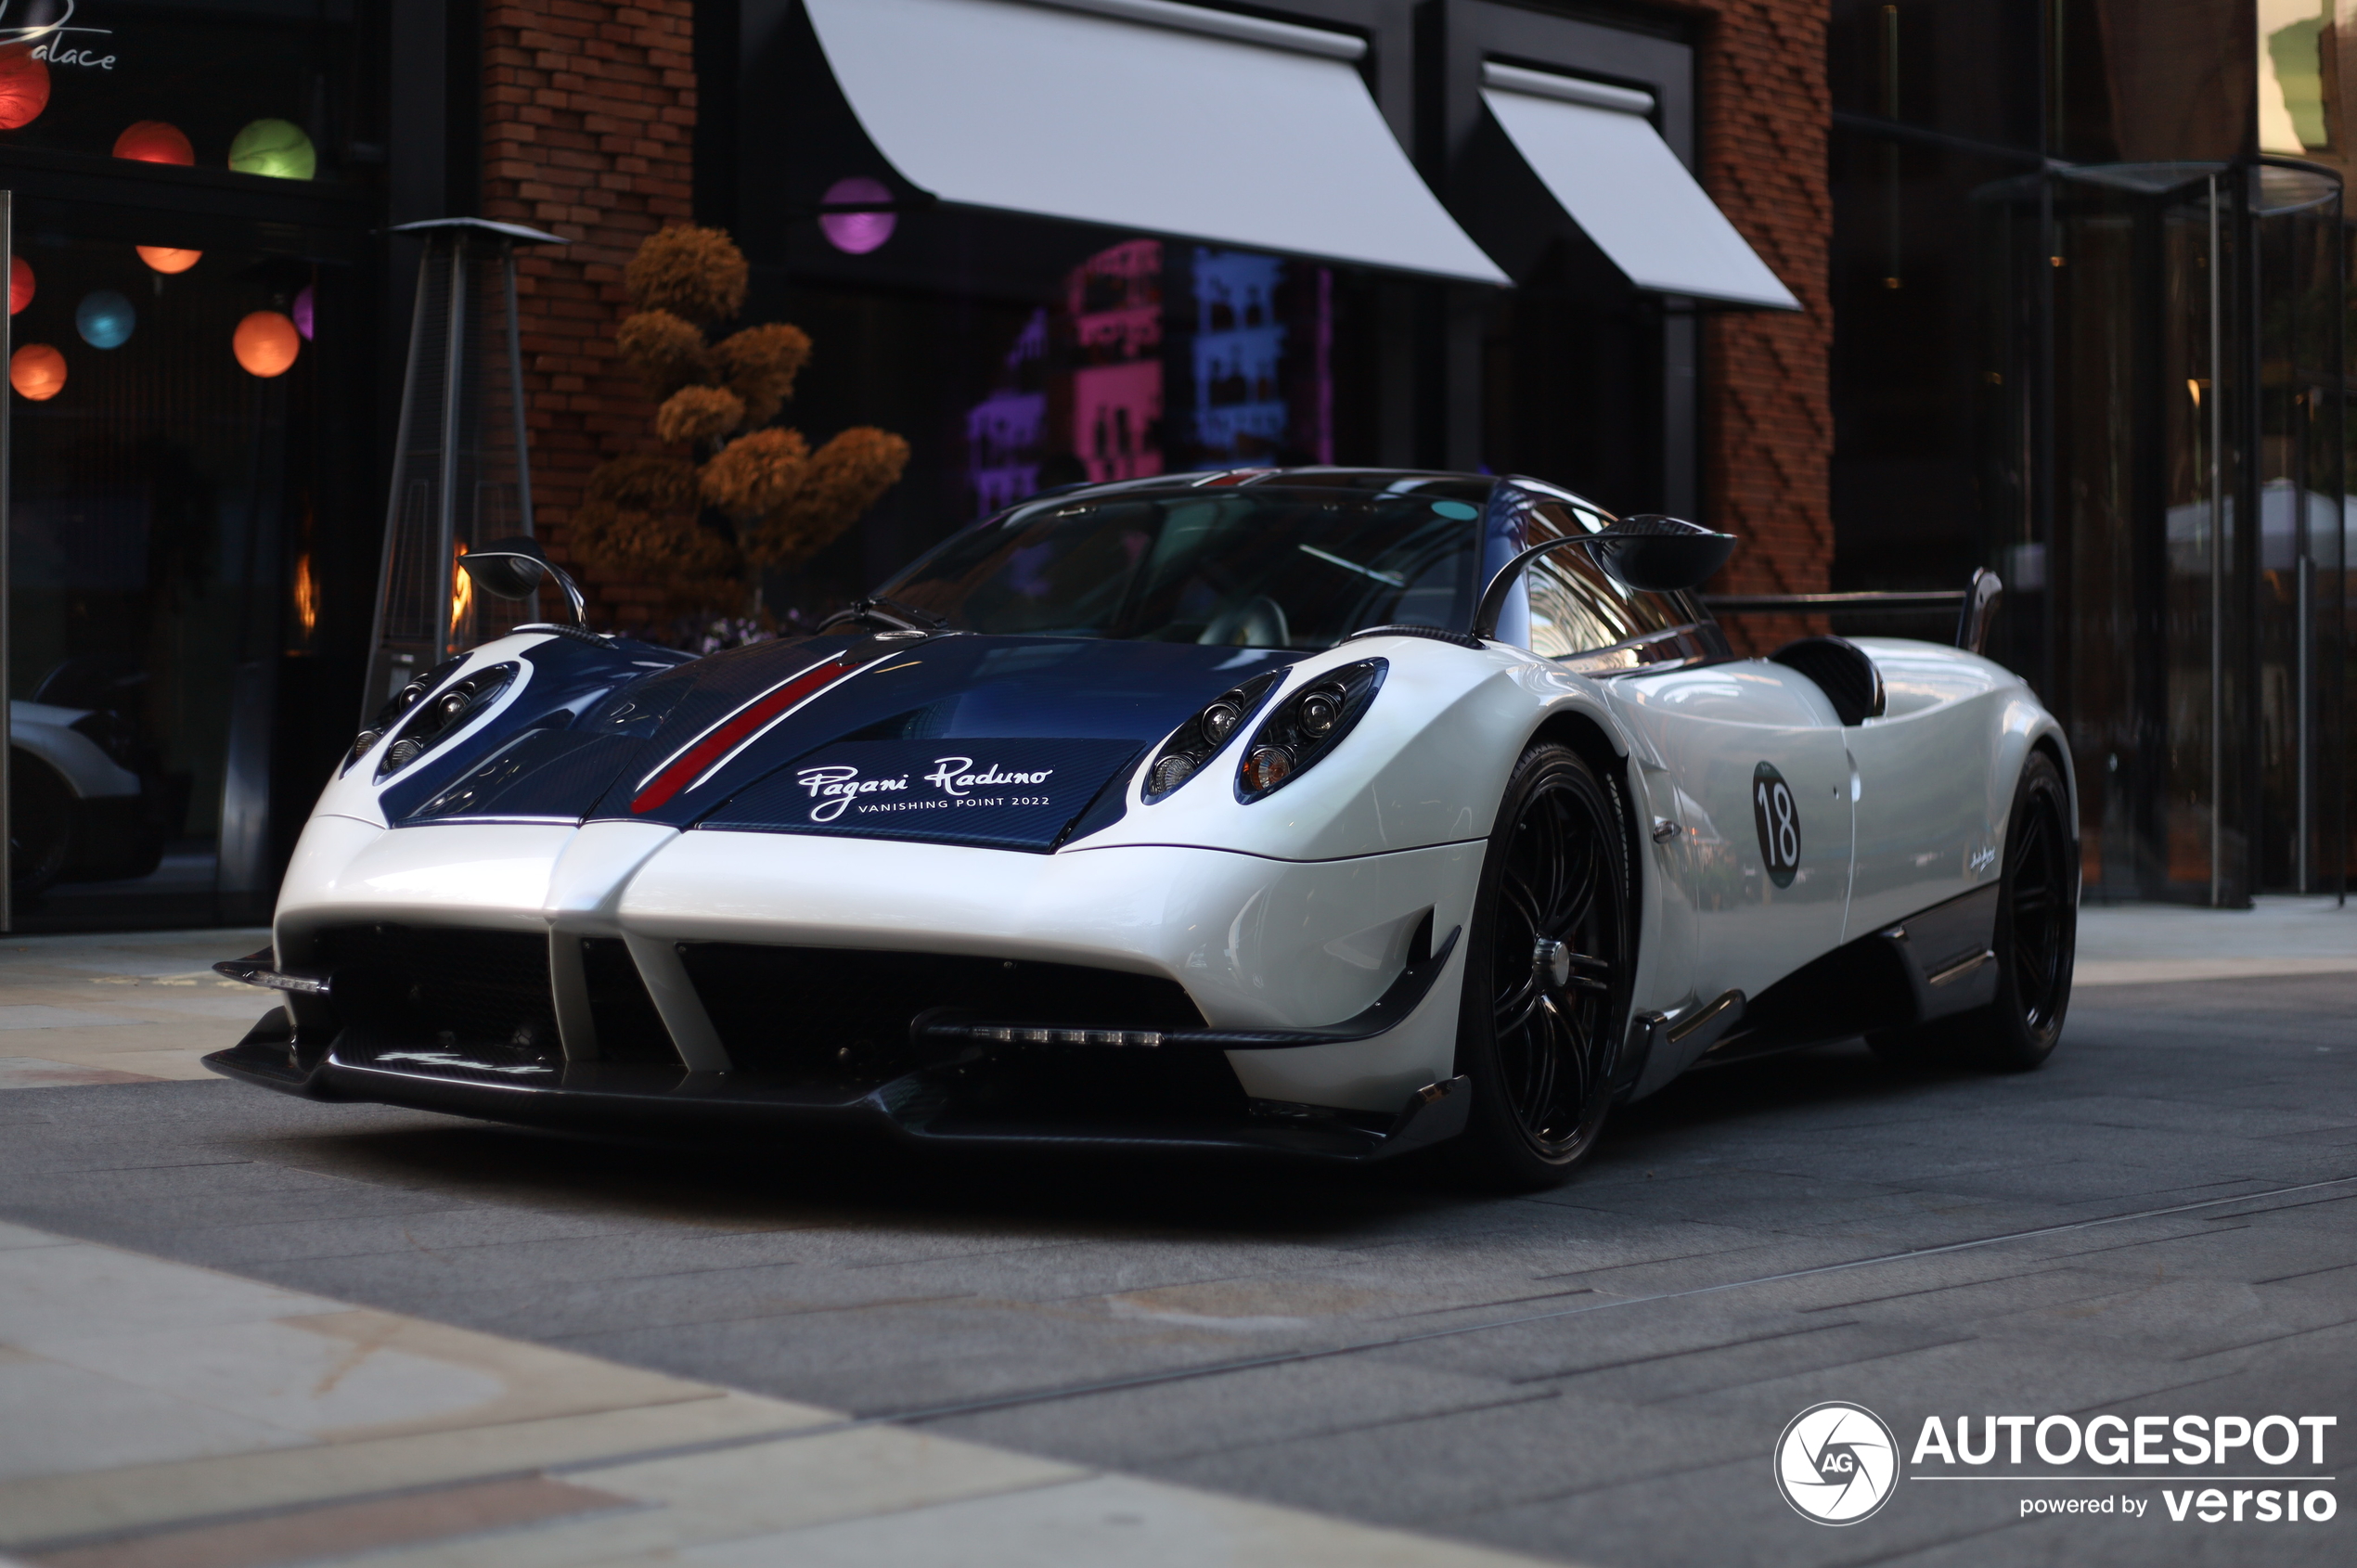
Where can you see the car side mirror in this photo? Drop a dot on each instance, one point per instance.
(1650, 553)
(510, 569)
(514, 569)
(1662, 555)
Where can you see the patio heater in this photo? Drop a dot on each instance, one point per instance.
(461, 463)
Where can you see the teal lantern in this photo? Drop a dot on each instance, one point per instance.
(275, 147)
(105, 319)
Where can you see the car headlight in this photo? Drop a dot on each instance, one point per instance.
(439, 716)
(400, 702)
(1201, 738)
(1306, 726)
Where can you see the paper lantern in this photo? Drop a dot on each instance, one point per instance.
(20, 284)
(153, 141)
(167, 259)
(267, 343)
(305, 312)
(24, 86)
(275, 147)
(38, 371)
(105, 319)
(857, 232)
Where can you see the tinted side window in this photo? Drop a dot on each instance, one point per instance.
(1574, 606)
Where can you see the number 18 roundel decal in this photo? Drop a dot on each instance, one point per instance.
(1777, 815)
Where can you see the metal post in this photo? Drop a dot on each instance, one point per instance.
(2304, 573)
(8, 828)
(2217, 561)
(2337, 671)
(453, 370)
(515, 398)
(372, 699)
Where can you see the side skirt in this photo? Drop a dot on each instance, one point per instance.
(1933, 964)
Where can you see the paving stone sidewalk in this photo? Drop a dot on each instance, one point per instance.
(120, 1010)
(154, 1415)
(2278, 936)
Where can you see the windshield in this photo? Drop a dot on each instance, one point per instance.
(1296, 567)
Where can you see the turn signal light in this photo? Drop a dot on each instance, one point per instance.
(1265, 768)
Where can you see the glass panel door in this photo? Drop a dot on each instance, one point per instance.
(2298, 629)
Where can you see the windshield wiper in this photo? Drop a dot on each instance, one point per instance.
(1390, 579)
(887, 612)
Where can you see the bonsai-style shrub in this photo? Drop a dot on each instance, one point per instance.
(735, 495)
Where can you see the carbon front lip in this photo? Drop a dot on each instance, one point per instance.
(622, 1096)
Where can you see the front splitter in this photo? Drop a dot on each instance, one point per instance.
(918, 1108)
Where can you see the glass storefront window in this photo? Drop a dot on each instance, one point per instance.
(256, 87)
(194, 439)
(175, 498)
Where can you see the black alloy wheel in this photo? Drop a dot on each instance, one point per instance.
(1548, 965)
(41, 824)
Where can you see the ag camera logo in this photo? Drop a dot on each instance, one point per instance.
(1837, 1464)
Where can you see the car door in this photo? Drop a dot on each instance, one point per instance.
(1746, 757)
(1764, 785)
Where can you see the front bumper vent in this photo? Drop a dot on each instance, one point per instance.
(842, 1015)
(629, 1029)
(483, 994)
(454, 987)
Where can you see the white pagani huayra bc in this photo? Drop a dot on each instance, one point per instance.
(1338, 813)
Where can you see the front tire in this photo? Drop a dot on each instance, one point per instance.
(1547, 964)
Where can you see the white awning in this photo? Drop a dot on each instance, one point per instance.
(1142, 115)
(1601, 157)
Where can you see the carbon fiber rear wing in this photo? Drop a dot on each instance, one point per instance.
(1974, 606)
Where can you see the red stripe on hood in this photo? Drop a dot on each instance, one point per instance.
(689, 764)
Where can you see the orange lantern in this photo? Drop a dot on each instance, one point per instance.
(20, 284)
(153, 141)
(167, 259)
(267, 343)
(38, 372)
(24, 86)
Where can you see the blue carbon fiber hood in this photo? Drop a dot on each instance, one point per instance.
(998, 742)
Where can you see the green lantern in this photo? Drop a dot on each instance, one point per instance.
(275, 147)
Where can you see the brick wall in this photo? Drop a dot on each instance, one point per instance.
(1766, 375)
(588, 117)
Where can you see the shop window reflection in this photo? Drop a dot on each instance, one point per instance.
(163, 537)
(1156, 357)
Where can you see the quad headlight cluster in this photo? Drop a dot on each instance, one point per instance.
(1201, 738)
(1302, 728)
(1306, 726)
(445, 710)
